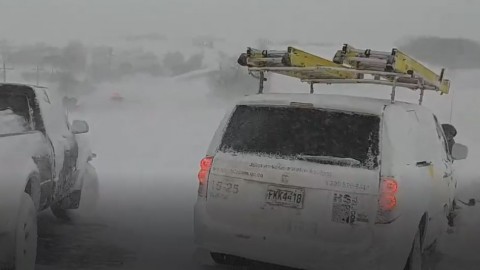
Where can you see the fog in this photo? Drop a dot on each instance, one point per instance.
(358, 22)
(174, 94)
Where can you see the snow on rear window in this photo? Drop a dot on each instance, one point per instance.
(293, 132)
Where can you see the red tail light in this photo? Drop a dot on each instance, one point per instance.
(205, 166)
(387, 200)
(389, 185)
(388, 190)
(206, 163)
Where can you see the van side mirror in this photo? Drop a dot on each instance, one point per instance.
(459, 151)
(449, 130)
(79, 127)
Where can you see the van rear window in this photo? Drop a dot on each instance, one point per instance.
(320, 135)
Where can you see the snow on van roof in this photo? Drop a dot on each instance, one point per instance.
(365, 105)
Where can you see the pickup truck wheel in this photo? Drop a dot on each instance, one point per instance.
(26, 235)
(415, 259)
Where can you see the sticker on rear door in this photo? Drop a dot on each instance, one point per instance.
(344, 208)
(222, 188)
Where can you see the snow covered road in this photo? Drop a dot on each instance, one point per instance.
(148, 150)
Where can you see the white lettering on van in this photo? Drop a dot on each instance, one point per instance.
(237, 172)
(291, 169)
(347, 185)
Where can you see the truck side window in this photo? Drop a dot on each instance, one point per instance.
(15, 113)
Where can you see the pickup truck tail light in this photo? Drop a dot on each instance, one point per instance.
(387, 200)
(205, 166)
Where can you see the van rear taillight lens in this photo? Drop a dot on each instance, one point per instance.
(206, 163)
(387, 200)
(389, 185)
(388, 192)
(205, 166)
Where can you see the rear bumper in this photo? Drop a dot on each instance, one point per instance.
(385, 246)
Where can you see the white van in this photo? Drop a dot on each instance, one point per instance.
(325, 182)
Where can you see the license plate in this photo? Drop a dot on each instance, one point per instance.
(285, 196)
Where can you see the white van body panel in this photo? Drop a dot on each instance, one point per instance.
(238, 217)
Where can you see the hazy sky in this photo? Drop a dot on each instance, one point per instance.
(313, 20)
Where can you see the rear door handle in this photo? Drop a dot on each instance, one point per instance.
(424, 163)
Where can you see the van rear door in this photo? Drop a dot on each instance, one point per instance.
(281, 168)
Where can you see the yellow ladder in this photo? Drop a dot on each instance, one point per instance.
(294, 57)
(395, 61)
(349, 66)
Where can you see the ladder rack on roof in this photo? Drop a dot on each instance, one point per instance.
(349, 66)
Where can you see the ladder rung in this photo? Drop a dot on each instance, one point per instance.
(372, 61)
(302, 59)
(347, 49)
(265, 61)
(348, 52)
(368, 63)
(257, 58)
(265, 53)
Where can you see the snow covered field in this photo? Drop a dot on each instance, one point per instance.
(148, 151)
